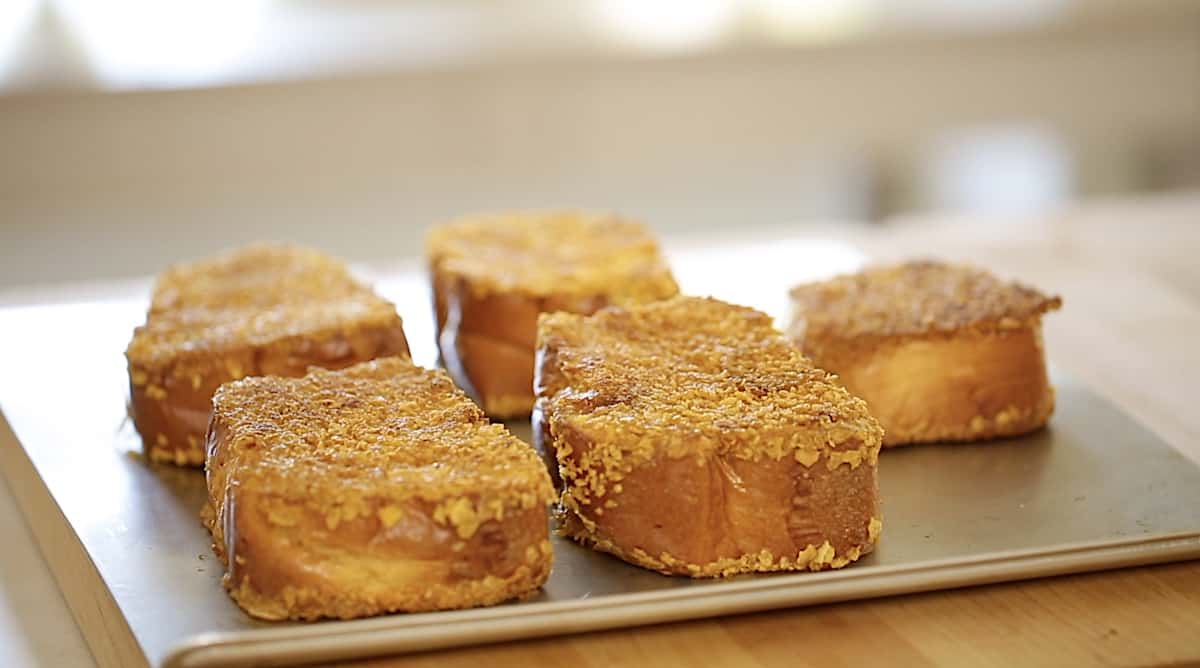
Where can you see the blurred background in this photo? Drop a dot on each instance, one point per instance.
(139, 132)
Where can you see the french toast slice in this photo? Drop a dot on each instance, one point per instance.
(373, 489)
(260, 310)
(940, 352)
(692, 438)
(493, 274)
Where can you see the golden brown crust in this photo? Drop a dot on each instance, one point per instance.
(918, 298)
(956, 355)
(723, 370)
(692, 438)
(251, 297)
(264, 309)
(374, 489)
(493, 275)
(553, 254)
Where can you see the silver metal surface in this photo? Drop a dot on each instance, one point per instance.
(1094, 491)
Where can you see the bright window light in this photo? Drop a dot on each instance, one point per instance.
(815, 20)
(666, 25)
(15, 18)
(1001, 169)
(163, 43)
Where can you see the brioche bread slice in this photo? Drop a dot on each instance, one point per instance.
(374, 489)
(493, 274)
(939, 352)
(263, 309)
(692, 438)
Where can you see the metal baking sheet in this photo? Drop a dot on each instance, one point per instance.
(1093, 491)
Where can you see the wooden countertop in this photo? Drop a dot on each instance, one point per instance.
(1130, 279)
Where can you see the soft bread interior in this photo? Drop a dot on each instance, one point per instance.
(969, 387)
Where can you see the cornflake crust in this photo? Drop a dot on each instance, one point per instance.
(692, 438)
(374, 489)
(493, 274)
(263, 309)
(940, 352)
(557, 253)
(915, 299)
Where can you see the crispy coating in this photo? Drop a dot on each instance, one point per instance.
(373, 489)
(493, 275)
(701, 377)
(561, 253)
(253, 296)
(939, 352)
(914, 299)
(263, 309)
(692, 438)
(382, 429)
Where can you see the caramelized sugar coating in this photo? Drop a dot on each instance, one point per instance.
(493, 274)
(940, 352)
(263, 309)
(919, 299)
(373, 489)
(554, 253)
(692, 438)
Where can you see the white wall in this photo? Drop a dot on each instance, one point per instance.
(358, 166)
